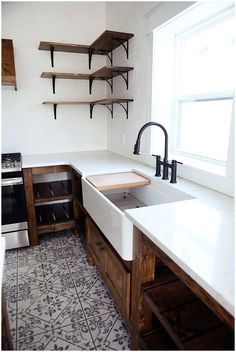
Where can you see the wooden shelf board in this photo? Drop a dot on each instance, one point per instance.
(64, 47)
(64, 75)
(99, 102)
(105, 72)
(110, 72)
(106, 41)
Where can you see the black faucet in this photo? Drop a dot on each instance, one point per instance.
(166, 165)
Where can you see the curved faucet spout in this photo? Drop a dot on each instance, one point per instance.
(138, 141)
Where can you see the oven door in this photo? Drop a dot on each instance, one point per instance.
(14, 214)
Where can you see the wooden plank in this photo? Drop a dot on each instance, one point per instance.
(64, 47)
(67, 225)
(57, 189)
(168, 295)
(156, 339)
(110, 72)
(187, 321)
(64, 75)
(117, 180)
(44, 215)
(42, 190)
(68, 206)
(59, 212)
(107, 41)
(41, 170)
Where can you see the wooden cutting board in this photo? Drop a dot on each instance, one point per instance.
(117, 180)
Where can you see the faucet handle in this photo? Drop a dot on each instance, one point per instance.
(173, 170)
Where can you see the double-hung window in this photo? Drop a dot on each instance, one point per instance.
(193, 86)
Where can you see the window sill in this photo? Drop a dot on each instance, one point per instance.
(199, 164)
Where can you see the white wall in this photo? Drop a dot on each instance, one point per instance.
(27, 125)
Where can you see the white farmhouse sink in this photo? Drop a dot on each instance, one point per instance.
(107, 209)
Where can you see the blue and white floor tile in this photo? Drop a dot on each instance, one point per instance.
(56, 301)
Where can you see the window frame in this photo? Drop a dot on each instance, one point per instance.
(197, 168)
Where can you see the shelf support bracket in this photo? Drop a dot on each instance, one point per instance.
(90, 84)
(53, 83)
(126, 79)
(109, 108)
(110, 83)
(55, 111)
(90, 54)
(52, 56)
(125, 108)
(91, 110)
(126, 47)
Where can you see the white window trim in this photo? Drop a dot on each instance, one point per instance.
(199, 170)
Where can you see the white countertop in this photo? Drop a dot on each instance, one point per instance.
(197, 234)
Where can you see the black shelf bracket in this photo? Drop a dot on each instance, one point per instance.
(109, 108)
(110, 83)
(91, 79)
(90, 54)
(106, 105)
(91, 110)
(122, 42)
(126, 79)
(52, 55)
(55, 111)
(105, 52)
(53, 84)
(126, 108)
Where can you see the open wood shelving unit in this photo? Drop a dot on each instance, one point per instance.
(105, 102)
(173, 314)
(104, 74)
(103, 45)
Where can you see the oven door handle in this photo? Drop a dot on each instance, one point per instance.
(12, 181)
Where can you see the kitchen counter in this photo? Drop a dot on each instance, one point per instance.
(197, 234)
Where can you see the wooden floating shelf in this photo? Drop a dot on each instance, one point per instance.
(103, 45)
(104, 74)
(106, 102)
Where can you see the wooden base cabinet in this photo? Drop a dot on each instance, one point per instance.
(115, 271)
(170, 311)
(52, 205)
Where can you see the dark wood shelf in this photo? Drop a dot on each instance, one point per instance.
(104, 74)
(50, 191)
(103, 45)
(106, 102)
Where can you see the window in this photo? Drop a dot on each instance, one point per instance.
(204, 79)
(193, 86)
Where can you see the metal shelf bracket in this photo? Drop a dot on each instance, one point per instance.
(53, 84)
(52, 56)
(126, 108)
(109, 108)
(126, 47)
(55, 111)
(126, 79)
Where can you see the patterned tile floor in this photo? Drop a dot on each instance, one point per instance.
(56, 301)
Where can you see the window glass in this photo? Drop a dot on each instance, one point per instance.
(204, 128)
(208, 59)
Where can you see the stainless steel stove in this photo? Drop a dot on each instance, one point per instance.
(14, 213)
